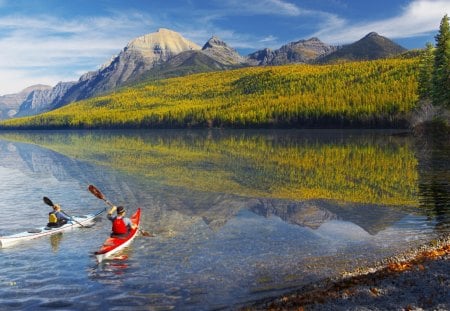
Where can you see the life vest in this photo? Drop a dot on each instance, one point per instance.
(52, 219)
(119, 226)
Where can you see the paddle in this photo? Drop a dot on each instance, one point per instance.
(50, 203)
(100, 195)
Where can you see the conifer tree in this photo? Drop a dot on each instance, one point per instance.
(426, 72)
(441, 72)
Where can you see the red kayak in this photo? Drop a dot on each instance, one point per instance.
(113, 245)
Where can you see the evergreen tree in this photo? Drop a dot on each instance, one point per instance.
(441, 72)
(426, 72)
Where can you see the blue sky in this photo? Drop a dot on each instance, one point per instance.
(47, 41)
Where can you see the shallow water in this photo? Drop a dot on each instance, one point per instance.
(237, 215)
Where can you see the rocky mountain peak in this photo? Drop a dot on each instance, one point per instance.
(221, 52)
(42, 99)
(214, 42)
(310, 48)
(35, 87)
(261, 57)
(302, 51)
(371, 46)
(162, 41)
(140, 55)
(372, 35)
(10, 103)
(375, 38)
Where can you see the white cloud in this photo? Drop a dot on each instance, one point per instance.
(266, 7)
(29, 44)
(279, 7)
(269, 38)
(15, 80)
(420, 17)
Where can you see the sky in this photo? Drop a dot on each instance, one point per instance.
(48, 41)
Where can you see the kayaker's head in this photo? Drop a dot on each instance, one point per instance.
(120, 210)
(56, 207)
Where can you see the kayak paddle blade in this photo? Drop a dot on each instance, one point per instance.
(48, 201)
(96, 192)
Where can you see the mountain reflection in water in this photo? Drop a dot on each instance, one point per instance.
(238, 215)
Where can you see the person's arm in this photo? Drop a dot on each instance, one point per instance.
(112, 210)
(61, 215)
(129, 223)
(110, 213)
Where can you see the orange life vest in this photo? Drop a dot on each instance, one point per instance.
(119, 226)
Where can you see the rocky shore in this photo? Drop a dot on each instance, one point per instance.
(416, 280)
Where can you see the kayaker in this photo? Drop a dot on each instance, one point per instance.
(121, 225)
(56, 218)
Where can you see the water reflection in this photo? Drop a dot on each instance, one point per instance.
(238, 215)
(313, 214)
(434, 182)
(343, 166)
(55, 240)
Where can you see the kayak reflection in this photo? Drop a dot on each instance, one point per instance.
(55, 240)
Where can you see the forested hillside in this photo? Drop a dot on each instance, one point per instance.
(377, 93)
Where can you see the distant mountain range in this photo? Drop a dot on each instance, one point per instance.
(372, 46)
(11, 103)
(166, 53)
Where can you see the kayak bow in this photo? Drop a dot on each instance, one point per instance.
(112, 245)
(78, 221)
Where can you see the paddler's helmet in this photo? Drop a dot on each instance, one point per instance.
(120, 210)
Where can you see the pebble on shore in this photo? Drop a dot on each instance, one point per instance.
(415, 280)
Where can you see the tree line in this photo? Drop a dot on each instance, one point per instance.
(370, 94)
(434, 75)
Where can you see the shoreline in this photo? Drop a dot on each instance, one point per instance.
(415, 280)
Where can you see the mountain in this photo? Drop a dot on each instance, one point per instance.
(372, 46)
(185, 63)
(41, 100)
(222, 53)
(10, 104)
(303, 51)
(166, 53)
(215, 55)
(140, 55)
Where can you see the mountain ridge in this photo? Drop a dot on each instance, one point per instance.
(214, 55)
(302, 51)
(166, 53)
(371, 46)
(140, 54)
(10, 103)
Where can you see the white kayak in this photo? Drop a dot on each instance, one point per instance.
(76, 222)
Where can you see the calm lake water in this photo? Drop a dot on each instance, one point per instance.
(237, 215)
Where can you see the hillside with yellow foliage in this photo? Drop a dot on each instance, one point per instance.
(373, 94)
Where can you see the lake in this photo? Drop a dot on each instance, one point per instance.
(238, 215)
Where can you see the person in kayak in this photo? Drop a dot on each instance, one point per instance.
(121, 225)
(56, 218)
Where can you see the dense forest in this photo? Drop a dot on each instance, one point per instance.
(434, 85)
(367, 94)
